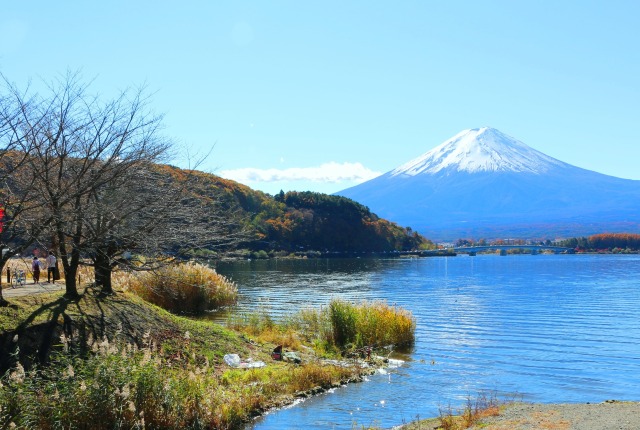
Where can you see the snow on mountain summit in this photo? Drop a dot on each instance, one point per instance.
(482, 183)
(477, 150)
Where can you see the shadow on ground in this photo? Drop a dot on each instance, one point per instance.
(80, 322)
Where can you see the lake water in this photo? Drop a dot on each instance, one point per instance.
(550, 328)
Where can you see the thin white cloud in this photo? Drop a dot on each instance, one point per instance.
(331, 172)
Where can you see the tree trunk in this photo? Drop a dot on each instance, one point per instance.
(70, 267)
(70, 260)
(102, 270)
(70, 281)
(3, 302)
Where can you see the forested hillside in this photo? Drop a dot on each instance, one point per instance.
(604, 242)
(297, 221)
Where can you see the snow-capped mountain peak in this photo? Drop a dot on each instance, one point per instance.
(477, 150)
(482, 183)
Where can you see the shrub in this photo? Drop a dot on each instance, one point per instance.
(341, 325)
(381, 324)
(253, 323)
(120, 388)
(186, 288)
(483, 406)
(260, 255)
(343, 316)
(371, 324)
(202, 254)
(264, 328)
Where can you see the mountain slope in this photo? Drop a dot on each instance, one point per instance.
(482, 183)
(295, 221)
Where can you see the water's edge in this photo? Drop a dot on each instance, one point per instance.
(552, 328)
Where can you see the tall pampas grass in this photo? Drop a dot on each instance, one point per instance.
(190, 288)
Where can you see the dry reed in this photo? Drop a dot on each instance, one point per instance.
(190, 288)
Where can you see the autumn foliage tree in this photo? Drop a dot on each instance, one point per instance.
(615, 240)
(604, 241)
(333, 223)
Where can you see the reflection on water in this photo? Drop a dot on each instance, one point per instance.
(550, 327)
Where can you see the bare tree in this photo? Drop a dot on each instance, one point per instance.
(21, 220)
(97, 168)
(80, 148)
(153, 212)
(126, 216)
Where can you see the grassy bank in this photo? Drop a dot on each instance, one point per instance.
(120, 362)
(340, 328)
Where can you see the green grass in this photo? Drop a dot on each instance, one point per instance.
(357, 325)
(339, 327)
(119, 362)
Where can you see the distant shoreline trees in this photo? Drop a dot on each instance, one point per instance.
(604, 242)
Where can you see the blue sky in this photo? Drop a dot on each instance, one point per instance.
(321, 95)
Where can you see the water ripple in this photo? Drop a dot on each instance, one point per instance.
(552, 328)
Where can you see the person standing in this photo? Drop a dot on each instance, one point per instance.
(51, 267)
(35, 268)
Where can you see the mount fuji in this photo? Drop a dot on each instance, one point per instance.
(482, 183)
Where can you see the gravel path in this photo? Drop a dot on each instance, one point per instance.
(610, 415)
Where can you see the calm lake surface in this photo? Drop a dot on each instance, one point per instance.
(551, 328)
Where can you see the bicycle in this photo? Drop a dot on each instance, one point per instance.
(18, 279)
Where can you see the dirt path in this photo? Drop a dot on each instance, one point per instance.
(610, 415)
(28, 289)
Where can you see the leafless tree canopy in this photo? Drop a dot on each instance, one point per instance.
(84, 176)
(22, 220)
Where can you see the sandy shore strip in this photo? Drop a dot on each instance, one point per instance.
(609, 415)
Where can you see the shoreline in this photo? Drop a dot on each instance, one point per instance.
(406, 254)
(607, 415)
(178, 355)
